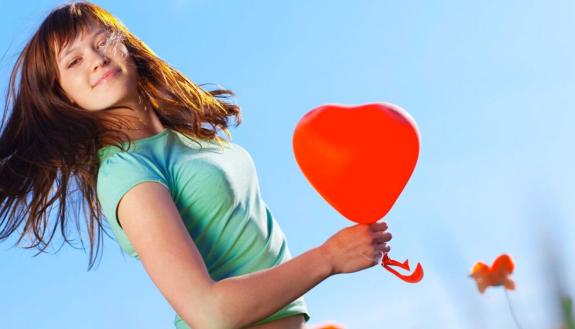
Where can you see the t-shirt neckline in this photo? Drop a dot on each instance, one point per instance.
(109, 150)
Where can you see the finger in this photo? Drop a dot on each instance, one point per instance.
(382, 247)
(381, 236)
(379, 226)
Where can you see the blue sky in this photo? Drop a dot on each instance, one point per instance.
(488, 84)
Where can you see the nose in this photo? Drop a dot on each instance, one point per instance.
(100, 59)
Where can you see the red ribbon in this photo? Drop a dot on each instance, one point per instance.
(414, 277)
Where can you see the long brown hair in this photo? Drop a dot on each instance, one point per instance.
(49, 146)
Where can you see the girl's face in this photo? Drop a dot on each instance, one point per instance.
(96, 71)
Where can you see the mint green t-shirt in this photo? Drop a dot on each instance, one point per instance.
(215, 188)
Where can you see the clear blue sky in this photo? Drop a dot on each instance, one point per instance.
(488, 83)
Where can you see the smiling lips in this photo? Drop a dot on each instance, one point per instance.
(109, 74)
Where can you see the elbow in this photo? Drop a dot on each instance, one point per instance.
(209, 320)
(216, 321)
(214, 314)
(204, 319)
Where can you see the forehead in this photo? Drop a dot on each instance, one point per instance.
(69, 37)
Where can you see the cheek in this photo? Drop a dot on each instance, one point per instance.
(130, 68)
(73, 86)
(118, 52)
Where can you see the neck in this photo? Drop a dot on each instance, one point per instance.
(143, 120)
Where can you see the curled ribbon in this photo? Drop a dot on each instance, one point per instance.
(414, 277)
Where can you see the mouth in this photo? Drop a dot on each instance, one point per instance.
(108, 75)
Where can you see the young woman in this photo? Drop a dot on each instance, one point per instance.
(92, 110)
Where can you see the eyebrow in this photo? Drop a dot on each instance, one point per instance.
(67, 52)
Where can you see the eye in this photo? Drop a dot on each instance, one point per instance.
(74, 62)
(102, 43)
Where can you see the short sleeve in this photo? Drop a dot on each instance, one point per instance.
(116, 176)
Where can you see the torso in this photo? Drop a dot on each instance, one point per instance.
(290, 322)
(217, 194)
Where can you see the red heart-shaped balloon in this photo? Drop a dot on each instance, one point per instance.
(358, 158)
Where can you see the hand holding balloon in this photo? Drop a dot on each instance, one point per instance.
(357, 247)
(359, 158)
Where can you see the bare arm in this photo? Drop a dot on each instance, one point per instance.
(153, 225)
(248, 298)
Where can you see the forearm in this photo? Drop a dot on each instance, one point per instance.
(245, 299)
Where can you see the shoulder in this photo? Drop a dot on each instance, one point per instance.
(122, 171)
(127, 165)
(121, 159)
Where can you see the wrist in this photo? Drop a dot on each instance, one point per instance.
(325, 261)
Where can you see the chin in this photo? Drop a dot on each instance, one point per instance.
(115, 100)
(101, 106)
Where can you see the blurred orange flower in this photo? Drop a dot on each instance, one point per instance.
(328, 326)
(496, 275)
